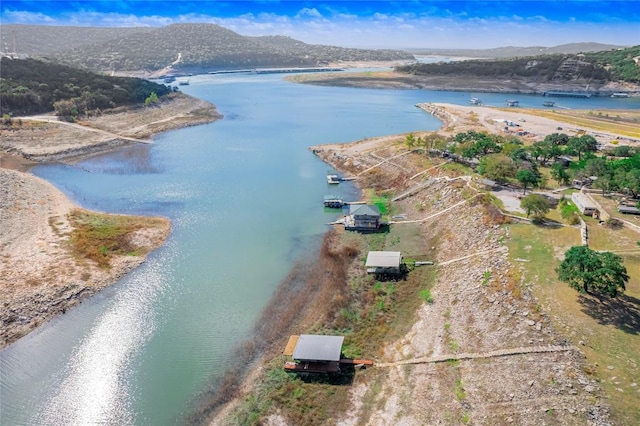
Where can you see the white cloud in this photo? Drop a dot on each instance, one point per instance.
(15, 16)
(311, 12)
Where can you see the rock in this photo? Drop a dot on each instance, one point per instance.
(530, 322)
(589, 389)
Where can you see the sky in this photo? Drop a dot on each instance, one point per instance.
(364, 24)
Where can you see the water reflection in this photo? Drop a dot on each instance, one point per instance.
(135, 159)
(95, 387)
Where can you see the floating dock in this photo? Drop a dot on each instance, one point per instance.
(292, 70)
(568, 94)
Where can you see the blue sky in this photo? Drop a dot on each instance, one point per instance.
(385, 24)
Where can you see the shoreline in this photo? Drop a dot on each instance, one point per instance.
(39, 276)
(394, 80)
(350, 158)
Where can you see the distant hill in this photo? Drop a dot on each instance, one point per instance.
(30, 86)
(513, 51)
(184, 47)
(43, 41)
(590, 68)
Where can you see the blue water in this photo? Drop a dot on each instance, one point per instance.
(244, 195)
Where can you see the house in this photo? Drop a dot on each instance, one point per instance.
(362, 217)
(314, 353)
(384, 263)
(584, 203)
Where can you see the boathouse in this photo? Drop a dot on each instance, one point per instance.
(313, 353)
(384, 263)
(362, 217)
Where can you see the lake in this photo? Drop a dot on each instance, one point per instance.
(245, 198)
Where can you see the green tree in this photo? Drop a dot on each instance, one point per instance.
(623, 151)
(497, 167)
(152, 99)
(557, 139)
(603, 182)
(527, 177)
(596, 167)
(587, 270)
(559, 174)
(410, 140)
(433, 141)
(535, 205)
(582, 144)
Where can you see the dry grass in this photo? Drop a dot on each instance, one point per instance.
(625, 123)
(99, 237)
(608, 328)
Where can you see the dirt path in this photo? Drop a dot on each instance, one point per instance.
(481, 355)
(51, 119)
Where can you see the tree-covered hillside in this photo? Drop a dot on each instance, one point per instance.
(197, 47)
(624, 64)
(29, 86)
(45, 40)
(616, 65)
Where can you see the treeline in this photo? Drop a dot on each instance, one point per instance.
(507, 160)
(30, 86)
(599, 66)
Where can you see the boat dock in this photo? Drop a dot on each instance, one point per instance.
(568, 94)
(292, 70)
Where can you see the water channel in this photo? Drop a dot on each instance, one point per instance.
(244, 195)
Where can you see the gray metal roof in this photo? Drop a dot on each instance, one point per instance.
(384, 259)
(364, 209)
(318, 348)
(628, 209)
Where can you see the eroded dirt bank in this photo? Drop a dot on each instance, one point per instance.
(44, 138)
(395, 80)
(39, 276)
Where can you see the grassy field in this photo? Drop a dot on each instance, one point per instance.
(607, 330)
(625, 123)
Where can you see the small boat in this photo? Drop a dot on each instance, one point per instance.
(475, 101)
(333, 179)
(513, 103)
(333, 201)
(549, 104)
(620, 95)
(183, 82)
